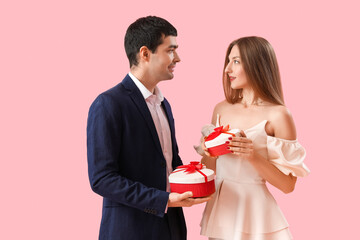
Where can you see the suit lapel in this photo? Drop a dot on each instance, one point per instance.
(140, 103)
(168, 114)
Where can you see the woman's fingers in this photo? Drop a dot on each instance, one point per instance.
(239, 139)
(241, 144)
(240, 150)
(242, 133)
(207, 153)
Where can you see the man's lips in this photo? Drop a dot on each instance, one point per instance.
(171, 68)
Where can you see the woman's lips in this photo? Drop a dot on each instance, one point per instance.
(231, 78)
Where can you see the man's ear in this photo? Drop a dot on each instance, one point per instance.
(144, 54)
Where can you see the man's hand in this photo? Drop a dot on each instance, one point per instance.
(185, 199)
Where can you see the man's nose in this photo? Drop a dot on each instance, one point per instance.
(177, 58)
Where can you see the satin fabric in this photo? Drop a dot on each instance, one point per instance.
(243, 208)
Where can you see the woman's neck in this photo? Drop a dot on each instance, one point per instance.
(249, 98)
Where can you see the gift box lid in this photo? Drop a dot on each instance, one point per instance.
(221, 138)
(182, 175)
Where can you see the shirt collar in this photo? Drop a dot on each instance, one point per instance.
(144, 91)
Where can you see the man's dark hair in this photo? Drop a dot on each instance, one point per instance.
(146, 31)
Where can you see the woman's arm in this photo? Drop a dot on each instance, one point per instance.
(286, 183)
(207, 159)
(210, 162)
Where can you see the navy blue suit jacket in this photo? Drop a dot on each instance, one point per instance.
(127, 167)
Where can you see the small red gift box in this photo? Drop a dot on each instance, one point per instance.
(216, 141)
(194, 177)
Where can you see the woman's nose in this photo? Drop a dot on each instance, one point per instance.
(228, 68)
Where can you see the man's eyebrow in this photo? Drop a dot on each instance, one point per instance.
(173, 46)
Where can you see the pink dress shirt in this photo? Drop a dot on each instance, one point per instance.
(153, 101)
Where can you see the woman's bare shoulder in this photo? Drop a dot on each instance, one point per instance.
(279, 111)
(221, 106)
(282, 122)
(219, 109)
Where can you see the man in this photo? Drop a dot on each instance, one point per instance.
(131, 142)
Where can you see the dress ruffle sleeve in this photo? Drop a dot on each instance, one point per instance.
(288, 156)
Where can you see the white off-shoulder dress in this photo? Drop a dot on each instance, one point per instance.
(242, 207)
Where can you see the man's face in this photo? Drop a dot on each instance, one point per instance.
(163, 60)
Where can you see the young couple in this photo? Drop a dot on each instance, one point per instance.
(132, 148)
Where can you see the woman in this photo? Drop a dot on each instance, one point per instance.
(266, 150)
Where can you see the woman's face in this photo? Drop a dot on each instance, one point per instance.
(235, 69)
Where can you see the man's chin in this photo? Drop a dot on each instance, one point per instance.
(169, 77)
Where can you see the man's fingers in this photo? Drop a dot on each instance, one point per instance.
(201, 200)
(185, 195)
(193, 201)
(185, 200)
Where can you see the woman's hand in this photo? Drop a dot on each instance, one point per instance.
(208, 160)
(242, 146)
(204, 147)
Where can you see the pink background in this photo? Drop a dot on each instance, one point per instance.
(57, 56)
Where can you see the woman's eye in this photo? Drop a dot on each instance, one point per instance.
(236, 61)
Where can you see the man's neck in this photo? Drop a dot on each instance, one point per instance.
(144, 78)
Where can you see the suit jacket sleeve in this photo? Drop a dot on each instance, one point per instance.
(103, 151)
